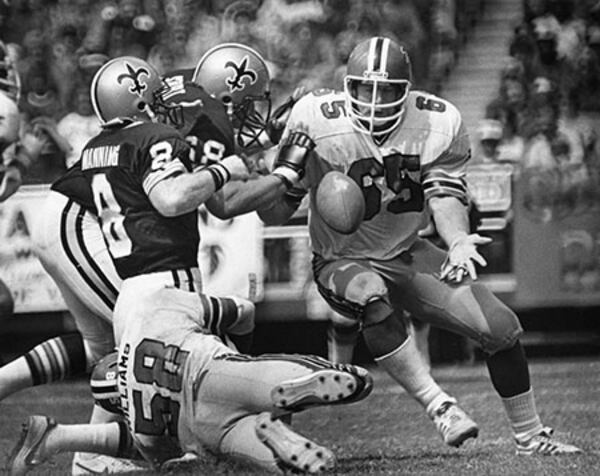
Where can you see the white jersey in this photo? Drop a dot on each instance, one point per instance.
(424, 157)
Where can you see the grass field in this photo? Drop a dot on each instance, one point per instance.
(388, 434)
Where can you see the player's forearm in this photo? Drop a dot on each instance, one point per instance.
(278, 212)
(184, 193)
(451, 218)
(238, 198)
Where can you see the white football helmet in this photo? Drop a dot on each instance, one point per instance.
(238, 76)
(377, 61)
(126, 89)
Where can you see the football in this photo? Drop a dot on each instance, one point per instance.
(340, 202)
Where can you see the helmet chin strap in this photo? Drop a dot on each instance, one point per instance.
(150, 113)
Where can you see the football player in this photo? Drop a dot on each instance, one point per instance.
(182, 388)
(71, 247)
(226, 72)
(407, 150)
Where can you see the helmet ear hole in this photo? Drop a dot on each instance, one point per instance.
(141, 105)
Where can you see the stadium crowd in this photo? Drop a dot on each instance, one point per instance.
(57, 46)
(135, 193)
(545, 119)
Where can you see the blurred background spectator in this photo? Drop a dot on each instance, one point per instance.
(59, 44)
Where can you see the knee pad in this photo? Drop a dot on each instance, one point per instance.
(366, 287)
(348, 290)
(376, 312)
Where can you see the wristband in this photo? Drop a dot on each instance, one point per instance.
(288, 176)
(220, 175)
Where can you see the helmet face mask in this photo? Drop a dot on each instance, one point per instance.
(376, 86)
(238, 76)
(250, 120)
(126, 89)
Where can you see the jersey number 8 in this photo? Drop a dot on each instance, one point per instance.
(111, 217)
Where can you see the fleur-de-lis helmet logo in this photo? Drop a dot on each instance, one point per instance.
(138, 85)
(240, 71)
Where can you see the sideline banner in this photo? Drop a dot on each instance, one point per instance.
(230, 255)
(557, 239)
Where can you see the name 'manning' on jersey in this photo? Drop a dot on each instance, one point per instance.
(207, 130)
(122, 165)
(424, 157)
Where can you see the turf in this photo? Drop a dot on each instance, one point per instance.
(388, 434)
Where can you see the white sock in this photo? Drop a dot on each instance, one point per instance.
(522, 414)
(406, 366)
(103, 438)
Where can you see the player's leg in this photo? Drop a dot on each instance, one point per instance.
(281, 381)
(70, 246)
(472, 310)
(420, 332)
(342, 336)
(355, 290)
(231, 318)
(270, 444)
(52, 360)
(42, 438)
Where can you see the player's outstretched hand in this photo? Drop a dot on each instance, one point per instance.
(236, 166)
(461, 257)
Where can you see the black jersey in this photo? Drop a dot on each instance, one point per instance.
(121, 166)
(206, 125)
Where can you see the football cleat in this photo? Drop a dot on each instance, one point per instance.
(339, 383)
(30, 449)
(543, 443)
(292, 451)
(85, 464)
(453, 424)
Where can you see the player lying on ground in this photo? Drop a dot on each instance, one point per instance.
(235, 404)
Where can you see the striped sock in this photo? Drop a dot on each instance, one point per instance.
(56, 359)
